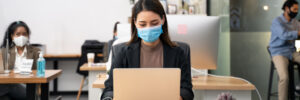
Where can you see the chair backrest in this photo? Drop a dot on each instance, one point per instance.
(89, 46)
(40, 46)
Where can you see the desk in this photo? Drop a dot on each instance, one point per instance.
(55, 58)
(208, 87)
(31, 82)
(49, 56)
(64, 56)
(61, 57)
(94, 72)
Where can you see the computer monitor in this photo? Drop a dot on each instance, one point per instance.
(201, 33)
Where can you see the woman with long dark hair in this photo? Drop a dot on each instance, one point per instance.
(150, 47)
(17, 34)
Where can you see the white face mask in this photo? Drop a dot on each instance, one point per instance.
(20, 41)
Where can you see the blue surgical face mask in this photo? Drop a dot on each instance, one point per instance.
(150, 34)
(115, 37)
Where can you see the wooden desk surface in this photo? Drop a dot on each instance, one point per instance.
(205, 83)
(31, 78)
(220, 83)
(66, 55)
(99, 83)
(61, 55)
(85, 67)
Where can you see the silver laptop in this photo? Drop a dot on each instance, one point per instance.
(146, 84)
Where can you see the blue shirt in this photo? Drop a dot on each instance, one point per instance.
(283, 37)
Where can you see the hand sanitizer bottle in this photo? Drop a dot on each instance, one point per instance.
(41, 63)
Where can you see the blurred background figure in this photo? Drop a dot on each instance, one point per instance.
(285, 30)
(115, 37)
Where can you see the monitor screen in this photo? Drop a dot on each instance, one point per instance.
(202, 35)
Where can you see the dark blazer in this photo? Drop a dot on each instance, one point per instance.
(128, 56)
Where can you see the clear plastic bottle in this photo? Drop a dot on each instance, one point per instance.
(41, 63)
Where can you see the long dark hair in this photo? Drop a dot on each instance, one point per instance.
(289, 4)
(115, 29)
(156, 7)
(11, 30)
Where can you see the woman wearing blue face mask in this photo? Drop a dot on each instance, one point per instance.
(18, 37)
(150, 47)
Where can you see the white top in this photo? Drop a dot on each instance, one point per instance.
(19, 60)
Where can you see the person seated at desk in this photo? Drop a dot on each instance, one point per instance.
(285, 30)
(19, 50)
(115, 37)
(150, 47)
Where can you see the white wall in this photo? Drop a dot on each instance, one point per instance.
(63, 25)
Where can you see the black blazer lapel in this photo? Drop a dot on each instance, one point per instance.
(169, 56)
(133, 55)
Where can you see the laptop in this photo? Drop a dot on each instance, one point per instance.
(146, 84)
(1, 63)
